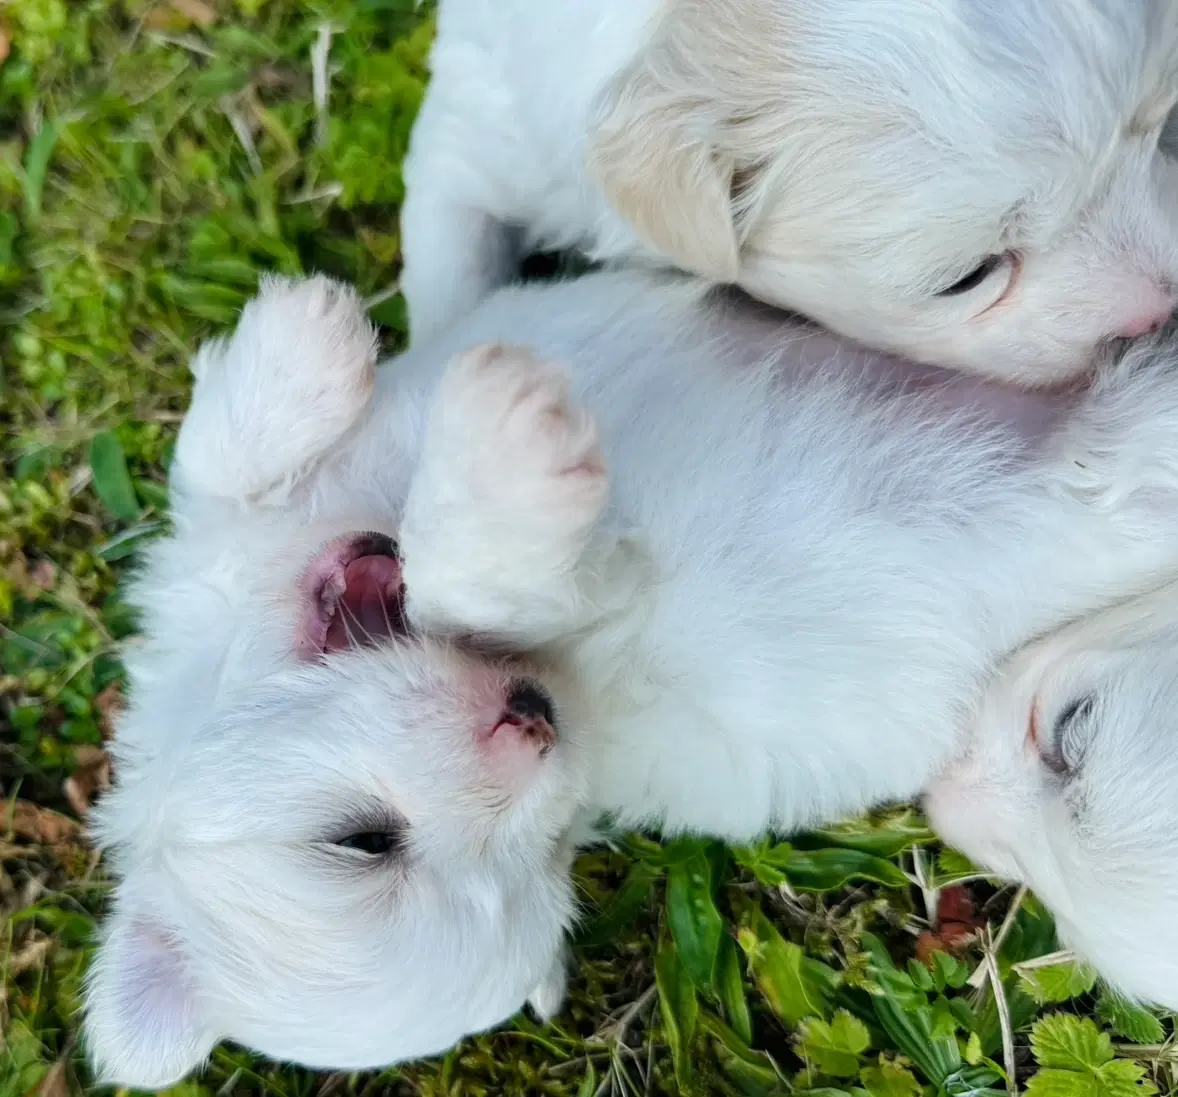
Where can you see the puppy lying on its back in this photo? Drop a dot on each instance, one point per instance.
(973, 183)
(729, 574)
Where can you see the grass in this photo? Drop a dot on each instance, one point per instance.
(154, 158)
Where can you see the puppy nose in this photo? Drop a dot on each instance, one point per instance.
(527, 718)
(530, 703)
(1147, 320)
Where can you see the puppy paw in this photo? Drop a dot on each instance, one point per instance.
(315, 334)
(295, 375)
(548, 998)
(505, 501)
(1122, 440)
(524, 441)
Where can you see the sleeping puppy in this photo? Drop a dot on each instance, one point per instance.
(972, 183)
(1066, 782)
(725, 573)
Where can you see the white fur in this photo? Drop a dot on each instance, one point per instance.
(843, 159)
(763, 574)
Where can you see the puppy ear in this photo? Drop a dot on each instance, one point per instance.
(143, 1026)
(653, 154)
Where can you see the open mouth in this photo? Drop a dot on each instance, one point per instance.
(355, 595)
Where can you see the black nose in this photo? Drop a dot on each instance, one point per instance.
(529, 702)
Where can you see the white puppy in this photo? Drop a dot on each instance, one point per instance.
(1067, 782)
(408, 633)
(973, 183)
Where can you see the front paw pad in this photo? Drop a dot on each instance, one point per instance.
(527, 442)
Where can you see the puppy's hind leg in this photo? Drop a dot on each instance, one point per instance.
(278, 393)
(503, 507)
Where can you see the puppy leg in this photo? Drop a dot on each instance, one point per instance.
(454, 251)
(272, 398)
(1120, 451)
(453, 256)
(547, 999)
(1118, 458)
(504, 504)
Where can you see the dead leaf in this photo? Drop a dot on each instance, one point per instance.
(54, 1083)
(77, 795)
(274, 78)
(955, 904)
(177, 16)
(31, 890)
(43, 826)
(43, 575)
(88, 756)
(11, 851)
(32, 580)
(32, 955)
(7, 887)
(5, 44)
(160, 18)
(109, 707)
(91, 776)
(952, 937)
(196, 11)
(17, 571)
(928, 944)
(958, 924)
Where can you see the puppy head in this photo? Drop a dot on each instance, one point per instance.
(975, 185)
(339, 842)
(1068, 785)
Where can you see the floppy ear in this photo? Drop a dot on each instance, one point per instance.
(653, 154)
(143, 1027)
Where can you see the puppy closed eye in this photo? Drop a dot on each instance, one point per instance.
(374, 843)
(976, 277)
(1063, 752)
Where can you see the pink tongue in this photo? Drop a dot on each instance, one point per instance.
(369, 608)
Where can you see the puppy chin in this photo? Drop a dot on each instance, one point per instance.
(970, 818)
(979, 803)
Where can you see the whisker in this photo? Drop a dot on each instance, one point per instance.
(352, 622)
(388, 623)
